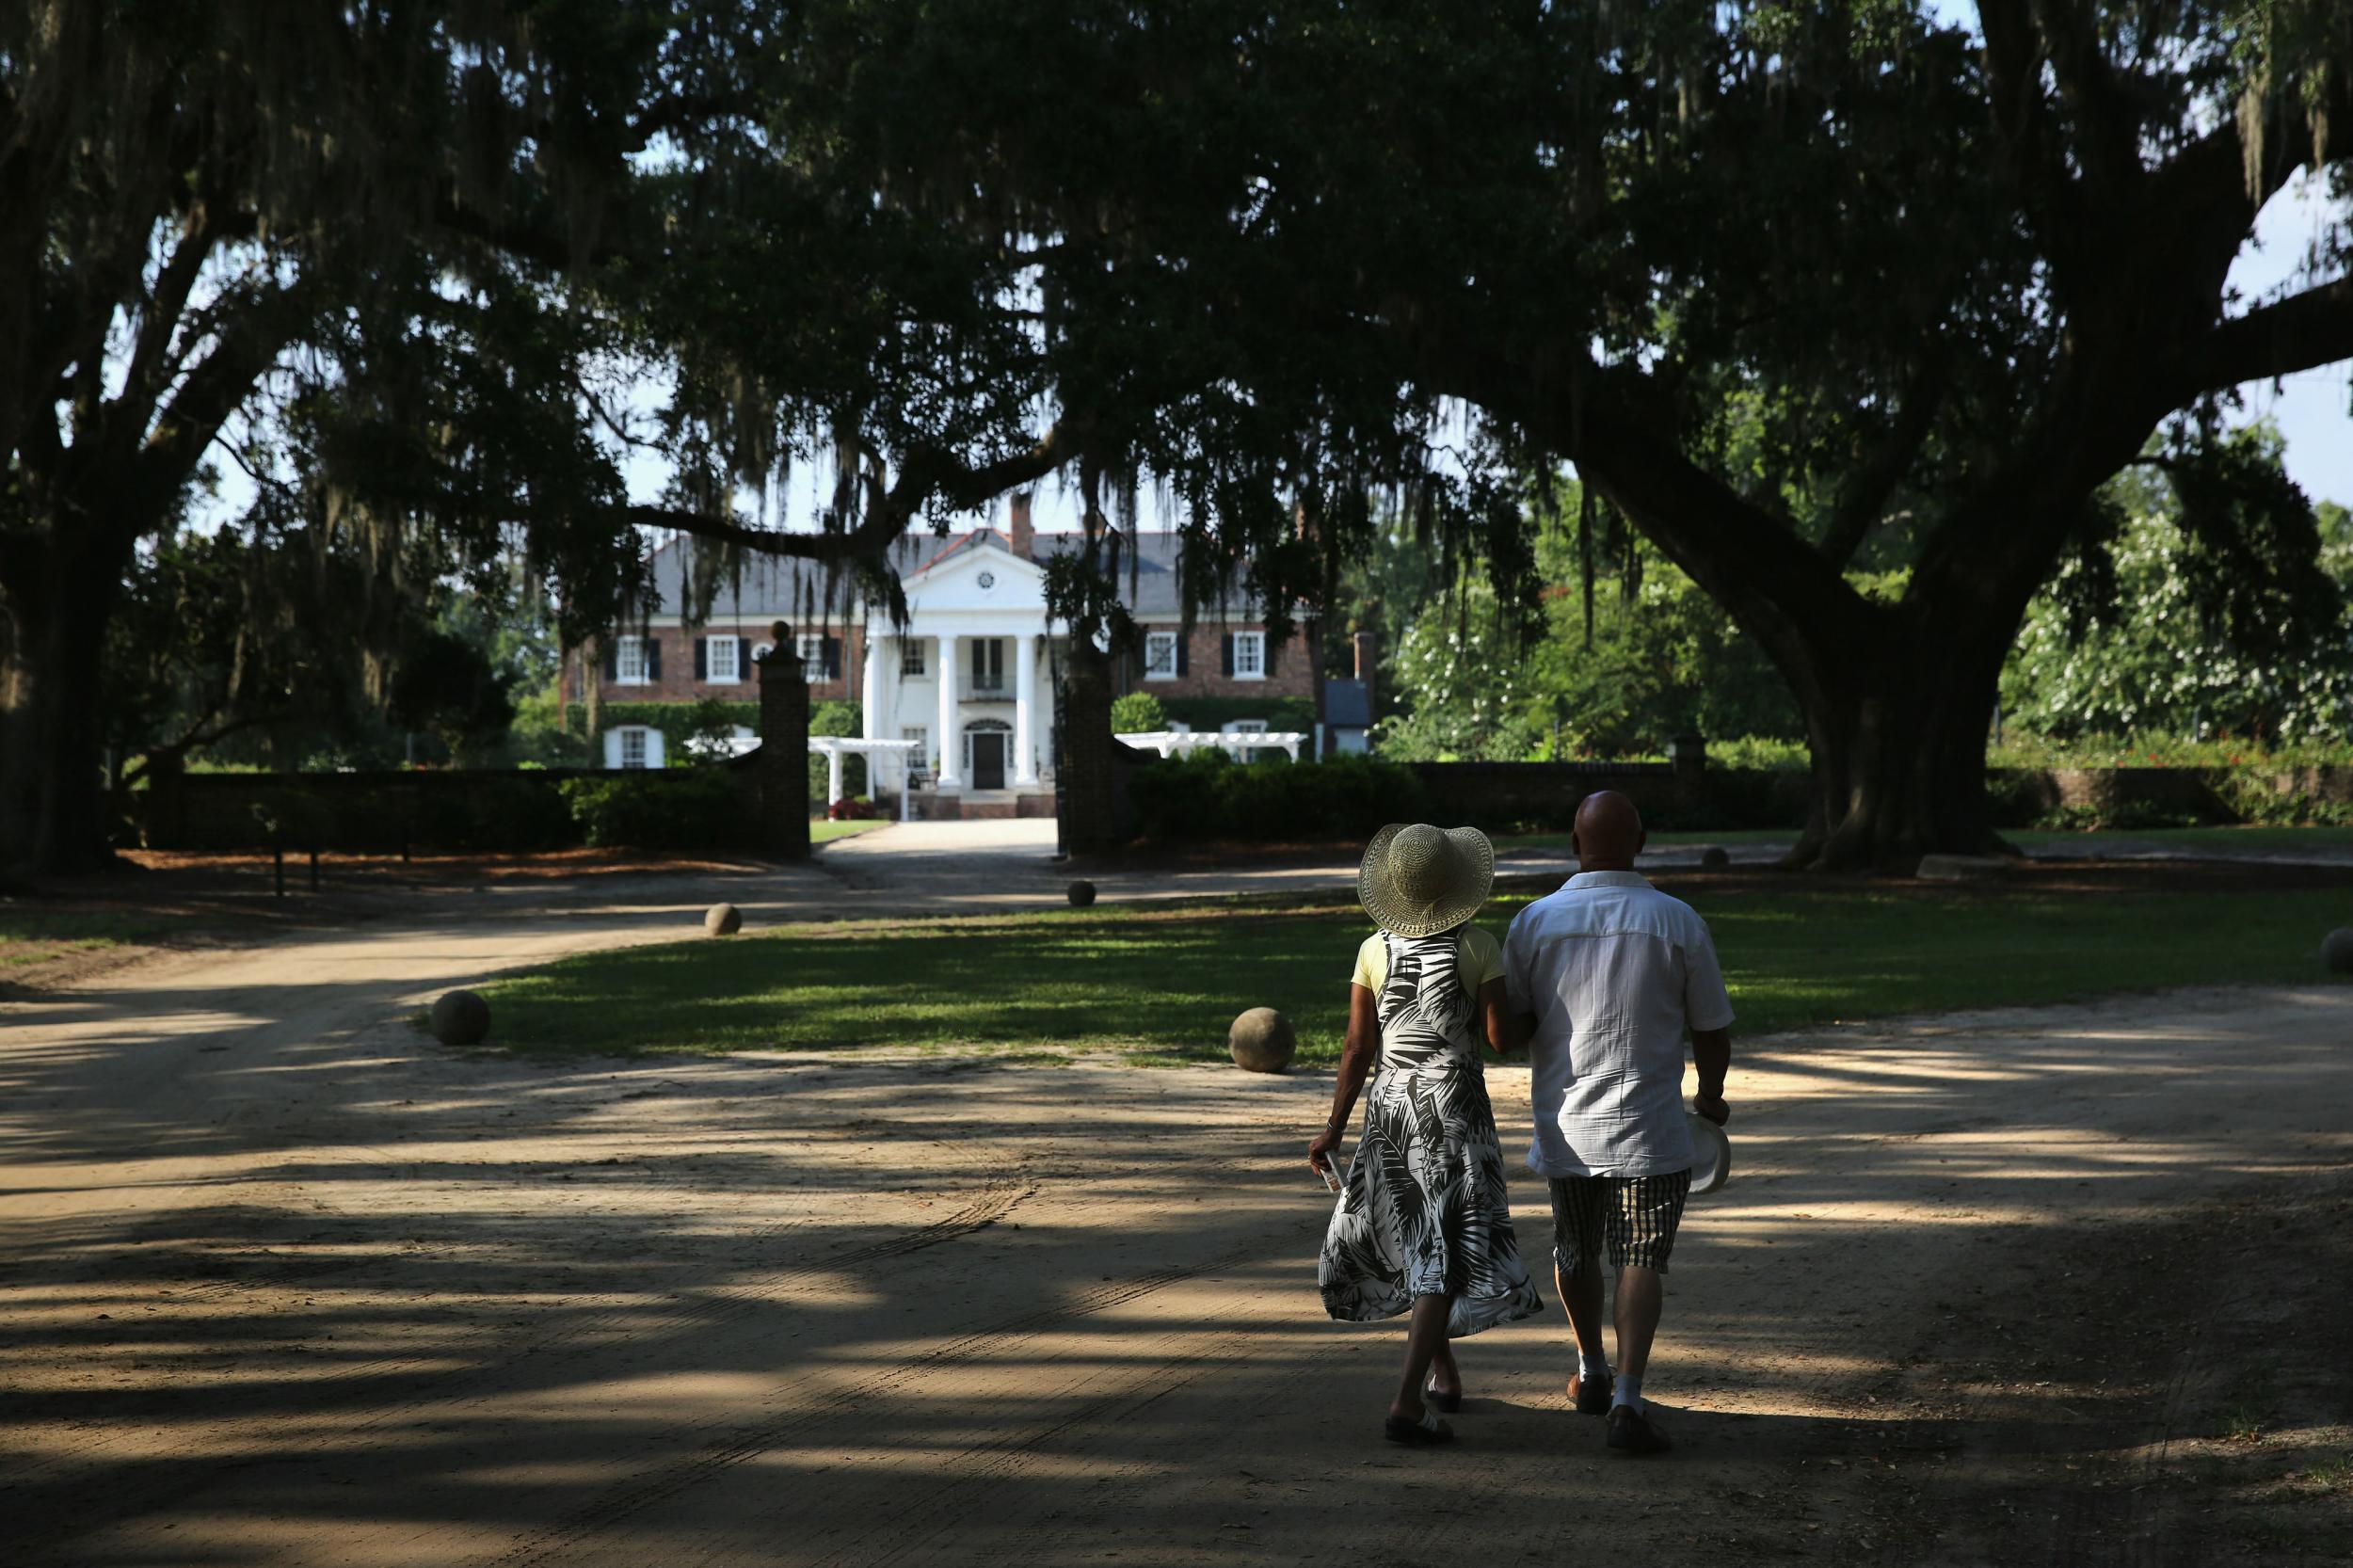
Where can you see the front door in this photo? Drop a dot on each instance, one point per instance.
(988, 760)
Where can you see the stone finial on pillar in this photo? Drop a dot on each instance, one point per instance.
(783, 747)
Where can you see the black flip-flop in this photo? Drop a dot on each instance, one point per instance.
(1447, 1402)
(1419, 1434)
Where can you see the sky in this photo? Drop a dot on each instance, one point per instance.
(2314, 409)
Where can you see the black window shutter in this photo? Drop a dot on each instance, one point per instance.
(1229, 653)
(1183, 661)
(653, 658)
(611, 660)
(1268, 650)
(743, 658)
(702, 658)
(832, 658)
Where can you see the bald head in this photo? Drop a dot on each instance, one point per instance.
(1609, 832)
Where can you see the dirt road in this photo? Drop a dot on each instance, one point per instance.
(284, 1283)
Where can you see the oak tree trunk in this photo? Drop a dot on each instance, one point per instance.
(1898, 738)
(55, 602)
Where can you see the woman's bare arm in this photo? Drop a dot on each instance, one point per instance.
(1507, 1033)
(1356, 1057)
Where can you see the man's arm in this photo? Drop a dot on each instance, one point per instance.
(1711, 1052)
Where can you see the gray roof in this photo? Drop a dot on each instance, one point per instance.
(1347, 704)
(769, 587)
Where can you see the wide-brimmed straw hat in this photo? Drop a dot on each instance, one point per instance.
(1418, 880)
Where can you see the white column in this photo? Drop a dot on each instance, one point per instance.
(950, 744)
(870, 695)
(1024, 708)
(833, 775)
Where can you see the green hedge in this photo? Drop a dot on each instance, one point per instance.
(1205, 797)
(1208, 713)
(670, 809)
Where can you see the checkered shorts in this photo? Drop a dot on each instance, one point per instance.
(1637, 1216)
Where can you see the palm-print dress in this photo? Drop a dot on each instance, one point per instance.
(1424, 1212)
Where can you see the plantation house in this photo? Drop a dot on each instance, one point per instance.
(970, 678)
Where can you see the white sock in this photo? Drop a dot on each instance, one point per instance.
(1593, 1367)
(1628, 1391)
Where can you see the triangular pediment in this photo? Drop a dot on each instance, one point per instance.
(979, 571)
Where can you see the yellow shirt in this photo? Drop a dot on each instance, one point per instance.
(1478, 959)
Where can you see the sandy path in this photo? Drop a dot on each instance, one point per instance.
(284, 1284)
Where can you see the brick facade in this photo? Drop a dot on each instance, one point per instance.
(677, 683)
(1292, 675)
(1292, 671)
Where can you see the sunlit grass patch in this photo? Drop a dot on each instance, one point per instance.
(1163, 984)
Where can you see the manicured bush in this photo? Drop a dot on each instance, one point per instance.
(1138, 713)
(1205, 797)
(853, 808)
(671, 809)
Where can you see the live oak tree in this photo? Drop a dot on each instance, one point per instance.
(1805, 291)
(401, 262)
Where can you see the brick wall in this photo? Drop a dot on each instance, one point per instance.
(1293, 672)
(677, 683)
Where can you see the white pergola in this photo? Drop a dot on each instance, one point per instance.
(835, 748)
(1176, 743)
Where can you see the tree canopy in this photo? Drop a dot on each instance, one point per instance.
(1800, 291)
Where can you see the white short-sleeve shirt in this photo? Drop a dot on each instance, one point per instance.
(1614, 970)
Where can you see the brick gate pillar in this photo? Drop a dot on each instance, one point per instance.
(783, 747)
(1083, 759)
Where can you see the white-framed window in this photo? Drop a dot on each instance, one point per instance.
(633, 746)
(721, 661)
(988, 665)
(1160, 655)
(911, 657)
(631, 665)
(821, 656)
(1249, 657)
(921, 734)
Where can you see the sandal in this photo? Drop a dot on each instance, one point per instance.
(1419, 1434)
(1447, 1402)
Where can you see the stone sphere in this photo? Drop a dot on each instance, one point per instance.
(2336, 950)
(1714, 858)
(461, 1018)
(1082, 894)
(1962, 868)
(723, 920)
(1261, 1041)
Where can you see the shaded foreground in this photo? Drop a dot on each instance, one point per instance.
(2059, 1287)
(1799, 953)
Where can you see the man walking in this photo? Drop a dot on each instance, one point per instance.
(1606, 975)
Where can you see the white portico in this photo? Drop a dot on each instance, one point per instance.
(962, 677)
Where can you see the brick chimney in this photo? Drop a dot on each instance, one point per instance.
(1019, 532)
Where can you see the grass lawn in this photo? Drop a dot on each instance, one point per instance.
(2277, 841)
(28, 938)
(2274, 840)
(1166, 983)
(1663, 840)
(821, 831)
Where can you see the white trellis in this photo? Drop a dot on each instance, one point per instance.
(835, 748)
(1176, 743)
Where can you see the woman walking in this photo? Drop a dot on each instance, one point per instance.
(1423, 1225)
